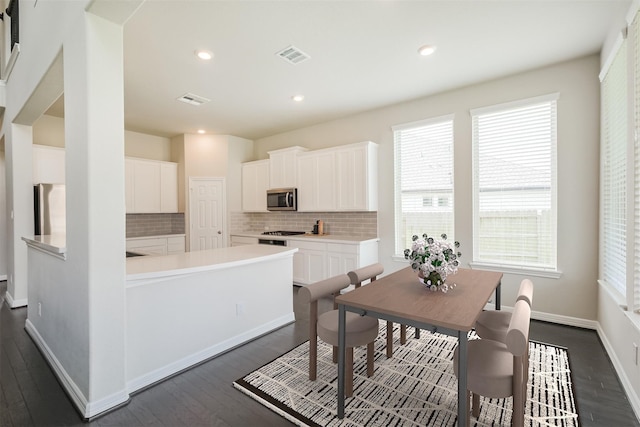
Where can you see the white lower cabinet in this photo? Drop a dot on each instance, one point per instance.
(316, 261)
(157, 245)
(309, 263)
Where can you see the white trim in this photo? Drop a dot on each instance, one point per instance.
(617, 365)
(202, 355)
(514, 269)
(515, 104)
(421, 123)
(15, 303)
(612, 55)
(3, 277)
(86, 408)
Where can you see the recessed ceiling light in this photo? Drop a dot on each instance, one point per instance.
(205, 55)
(202, 131)
(426, 50)
(298, 98)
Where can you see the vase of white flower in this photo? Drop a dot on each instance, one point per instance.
(434, 260)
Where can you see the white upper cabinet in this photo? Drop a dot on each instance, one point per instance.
(317, 181)
(151, 186)
(48, 165)
(168, 187)
(343, 178)
(255, 183)
(357, 171)
(283, 167)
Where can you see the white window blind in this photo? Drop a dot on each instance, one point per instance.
(635, 40)
(514, 172)
(614, 172)
(424, 179)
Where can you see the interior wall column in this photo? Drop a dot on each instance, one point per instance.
(19, 195)
(94, 141)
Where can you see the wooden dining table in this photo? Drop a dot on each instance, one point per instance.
(400, 297)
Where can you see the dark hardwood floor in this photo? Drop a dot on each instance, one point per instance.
(204, 396)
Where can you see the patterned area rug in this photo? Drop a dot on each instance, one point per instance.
(416, 387)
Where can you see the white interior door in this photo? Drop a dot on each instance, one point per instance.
(207, 213)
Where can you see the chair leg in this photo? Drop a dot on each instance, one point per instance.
(475, 404)
(370, 359)
(335, 354)
(389, 339)
(469, 394)
(403, 334)
(313, 359)
(349, 373)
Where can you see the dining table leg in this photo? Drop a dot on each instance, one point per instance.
(463, 402)
(342, 316)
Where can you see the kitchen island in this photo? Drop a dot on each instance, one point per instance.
(185, 308)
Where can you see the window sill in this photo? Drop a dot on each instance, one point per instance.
(619, 299)
(527, 271)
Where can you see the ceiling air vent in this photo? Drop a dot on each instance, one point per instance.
(192, 99)
(293, 55)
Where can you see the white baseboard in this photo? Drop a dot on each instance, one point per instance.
(15, 303)
(86, 408)
(634, 400)
(202, 355)
(554, 318)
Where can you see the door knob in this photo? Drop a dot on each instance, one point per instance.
(219, 232)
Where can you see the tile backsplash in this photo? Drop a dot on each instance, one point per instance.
(357, 224)
(139, 225)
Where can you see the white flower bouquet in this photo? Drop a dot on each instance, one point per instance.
(434, 260)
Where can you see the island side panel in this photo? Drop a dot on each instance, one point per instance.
(175, 323)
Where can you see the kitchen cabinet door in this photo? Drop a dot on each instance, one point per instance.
(317, 181)
(169, 187)
(255, 183)
(310, 262)
(341, 259)
(283, 167)
(146, 187)
(357, 179)
(129, 168)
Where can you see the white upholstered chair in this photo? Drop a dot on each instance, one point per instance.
(493, 324)
(496, 369)
(360, 330)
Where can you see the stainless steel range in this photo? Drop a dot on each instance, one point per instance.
(277, 242)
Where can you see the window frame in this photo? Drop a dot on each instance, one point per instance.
(398, 213)
(551, 271)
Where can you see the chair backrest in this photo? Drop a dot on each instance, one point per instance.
(323, 288)
(526, 291)
(517, 339)
(370, 272)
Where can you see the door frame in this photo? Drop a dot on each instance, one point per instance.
(192, 180)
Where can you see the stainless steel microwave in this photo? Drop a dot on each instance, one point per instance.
(282, 199)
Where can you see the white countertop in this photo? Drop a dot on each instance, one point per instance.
(327, 238)
(55, 244)
(148, 267)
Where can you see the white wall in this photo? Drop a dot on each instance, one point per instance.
(49, 130)
(82, 298)
(573, 297)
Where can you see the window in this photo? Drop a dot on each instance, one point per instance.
(514, 174)
(424, 179)
(614, 172)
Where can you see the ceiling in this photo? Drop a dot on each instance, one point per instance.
(363, 55)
